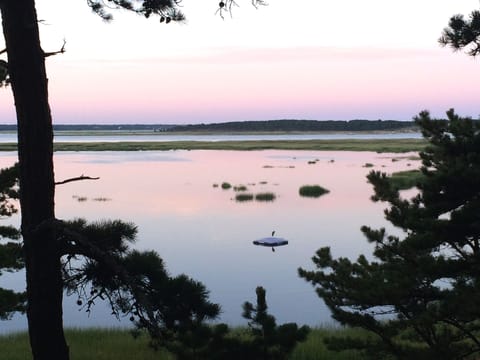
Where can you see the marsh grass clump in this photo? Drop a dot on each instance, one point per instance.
(240, 188)
(267, 196)
(101, 199)
(312, 191)
(79, 198)
(226, 185)
(403, 180)
(368, 165)
(242, 197)
(215, 185)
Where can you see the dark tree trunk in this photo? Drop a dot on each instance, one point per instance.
(35, 150)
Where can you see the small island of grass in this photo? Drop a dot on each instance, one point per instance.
(226, 185)
(314, 191)
(267, 196)
(242, 197)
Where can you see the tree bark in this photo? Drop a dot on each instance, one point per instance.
(35, 151)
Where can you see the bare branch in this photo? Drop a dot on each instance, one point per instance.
(78, 178)
(3, 51)
(61, 51)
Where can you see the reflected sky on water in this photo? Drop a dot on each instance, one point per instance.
(199, 229)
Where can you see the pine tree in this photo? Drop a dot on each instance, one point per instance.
(463, 34)
(26, 73)
(270, 341)
(420, 294)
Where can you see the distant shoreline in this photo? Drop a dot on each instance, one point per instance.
(279, 126)
(127, 133)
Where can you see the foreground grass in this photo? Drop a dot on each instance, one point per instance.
(381, 145)
(98, 344)
(116, 344)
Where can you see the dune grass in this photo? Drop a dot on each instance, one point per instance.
(118, 344)
(377, 145)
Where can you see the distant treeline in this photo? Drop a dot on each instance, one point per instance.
(99, 127)
(244, 126)
(298, 125)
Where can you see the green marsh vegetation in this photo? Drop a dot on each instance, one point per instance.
(368, 165)
(80, 198)
(98, 344)
(314, 191)
(225, 185)
(266, 196)
(380, 145)
(242, 197)
(403, 180)
(101, 199)
(118, 344)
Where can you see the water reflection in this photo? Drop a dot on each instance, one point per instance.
(200, 229)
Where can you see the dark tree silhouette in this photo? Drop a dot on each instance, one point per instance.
(269, 340)
(463, 34)
(27, 76)
(420, 294)
(11, 255)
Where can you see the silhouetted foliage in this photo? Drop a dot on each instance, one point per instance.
(11, 254)
(4, 78)
(463, 33)
(269, 340)
(420, 293)
(262, 340)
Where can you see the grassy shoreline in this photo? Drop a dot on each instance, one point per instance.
(118, 344)
(376, 145)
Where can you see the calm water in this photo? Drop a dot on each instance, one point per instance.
(200, 230)
(9, 138)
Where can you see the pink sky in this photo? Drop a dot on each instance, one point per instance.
(255, 67)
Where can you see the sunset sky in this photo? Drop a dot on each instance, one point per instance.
(304, 59)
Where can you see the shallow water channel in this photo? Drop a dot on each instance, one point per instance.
(199, 229)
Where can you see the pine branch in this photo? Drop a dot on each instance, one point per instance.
(78, 178)
(61, 51)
